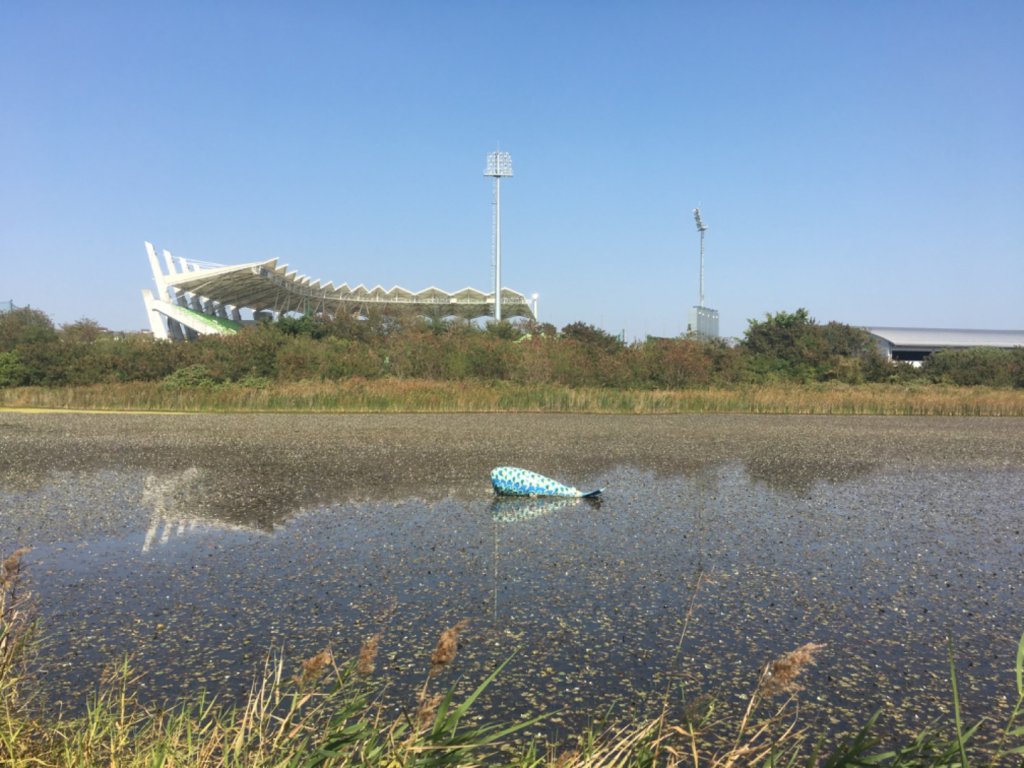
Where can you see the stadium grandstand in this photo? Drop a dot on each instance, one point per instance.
(195, 298)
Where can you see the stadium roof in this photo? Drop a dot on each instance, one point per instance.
(220, 293)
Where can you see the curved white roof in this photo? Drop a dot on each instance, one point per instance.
(269, 286)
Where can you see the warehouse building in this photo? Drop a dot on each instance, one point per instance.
(915, 344)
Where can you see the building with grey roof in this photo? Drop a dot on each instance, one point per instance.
(915, 344)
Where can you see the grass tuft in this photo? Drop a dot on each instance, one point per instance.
(329, 714)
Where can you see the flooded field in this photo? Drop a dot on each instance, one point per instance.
(195, 544)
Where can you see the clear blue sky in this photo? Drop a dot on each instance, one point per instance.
(864, 160)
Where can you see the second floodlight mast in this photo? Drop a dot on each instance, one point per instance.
(702, 228)
(499, 165)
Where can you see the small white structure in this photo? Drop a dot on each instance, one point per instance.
(193, 298)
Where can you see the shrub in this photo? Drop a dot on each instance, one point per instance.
(197, 375)
(977, 366)
(23, 327)
(12, 372)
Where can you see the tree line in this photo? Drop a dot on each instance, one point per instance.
(785, 347)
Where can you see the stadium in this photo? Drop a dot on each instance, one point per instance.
(195, 298)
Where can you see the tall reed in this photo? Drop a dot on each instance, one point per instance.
(356, 395)
(333, 714)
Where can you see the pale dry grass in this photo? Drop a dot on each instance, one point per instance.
(357, 395)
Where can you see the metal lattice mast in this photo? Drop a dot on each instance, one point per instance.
(499, 165)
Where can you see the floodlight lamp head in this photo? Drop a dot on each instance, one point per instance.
(499, 164)
(700, 222)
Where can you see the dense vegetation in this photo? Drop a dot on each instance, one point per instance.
(784, 348)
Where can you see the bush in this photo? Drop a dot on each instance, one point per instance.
(792, 345)
(25, 327)
(976, 366)
(197, 375)
(12, 372)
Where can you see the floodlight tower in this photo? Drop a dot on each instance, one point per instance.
(499, 166)
(703, 320)
(702, 228)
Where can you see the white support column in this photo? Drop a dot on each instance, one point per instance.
(158, 275)
(156, 320)
(169, 261)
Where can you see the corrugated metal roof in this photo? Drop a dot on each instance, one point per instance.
(947, 337)
(268, 285)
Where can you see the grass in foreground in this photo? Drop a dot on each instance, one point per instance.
(331, 714)
(357, 395)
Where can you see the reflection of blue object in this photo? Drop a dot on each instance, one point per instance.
(513, 481)
(515, 509)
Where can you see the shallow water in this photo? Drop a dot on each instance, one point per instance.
(686, 574)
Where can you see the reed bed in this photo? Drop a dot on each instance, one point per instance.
(357, 395)
(334, 714)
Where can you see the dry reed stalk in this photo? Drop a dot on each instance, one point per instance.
(11, 567)
(423, 395)
(253, 716)
(427, 709)
(757, 747)
(566, 759)
(780, 676)
(313, 668)
(368, 655)
(619, 746)
(447, 645)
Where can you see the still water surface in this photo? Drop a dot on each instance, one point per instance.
(195, 573)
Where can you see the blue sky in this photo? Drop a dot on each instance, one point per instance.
(864, 160)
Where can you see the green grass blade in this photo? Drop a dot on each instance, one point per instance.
(465, 705)
(957, 715)
(1020, 667)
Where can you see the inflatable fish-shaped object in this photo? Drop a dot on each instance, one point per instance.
(513, 481)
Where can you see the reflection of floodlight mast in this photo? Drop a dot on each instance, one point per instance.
(499, 164)
(701, 227)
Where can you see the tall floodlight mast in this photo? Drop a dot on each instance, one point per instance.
(702, 228)
(703, 320)
(499, 166)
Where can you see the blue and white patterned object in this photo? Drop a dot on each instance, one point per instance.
(516, 509)
(513, 481)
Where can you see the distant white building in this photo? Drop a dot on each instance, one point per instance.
(915, 344)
